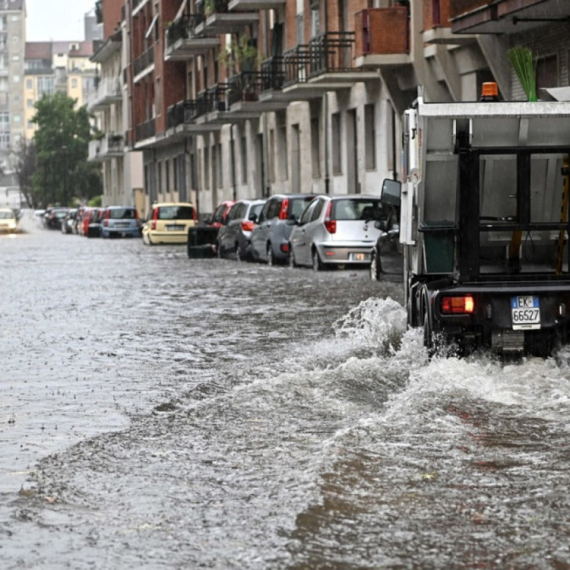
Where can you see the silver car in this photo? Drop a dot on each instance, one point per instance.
(337, 230)
(234, 235)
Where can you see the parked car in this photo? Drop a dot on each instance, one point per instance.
(68, 221)
(120, 221)
(82, 220)
(54, 216)
(387, 262)
(169, 222)
(203, 238)
(92, 223)
(234, 236)
(337, 230)
(270, 238)
(8, 220)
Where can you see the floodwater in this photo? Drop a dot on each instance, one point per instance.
(158, 412)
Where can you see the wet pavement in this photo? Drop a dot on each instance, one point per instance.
(158, 412)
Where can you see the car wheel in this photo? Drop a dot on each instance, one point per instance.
(317, 263)
(291, 258)
(270, 257)
(429, 341)
(375, 268)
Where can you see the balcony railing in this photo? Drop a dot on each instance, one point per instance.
(183, 113)
(112, 144)
(144, 61)
(183, 28)
(272, 74)
(109, 90)
(146, 130)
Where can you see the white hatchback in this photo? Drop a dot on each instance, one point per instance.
(336, 231)
(8, 220)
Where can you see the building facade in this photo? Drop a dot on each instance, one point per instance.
(56, 66)
(121, 165)
(234, 99)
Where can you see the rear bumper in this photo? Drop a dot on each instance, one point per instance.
(121, 231)
(492, 322)
(345, 253)
(168, 237)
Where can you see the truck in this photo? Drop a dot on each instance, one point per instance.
(484, 224)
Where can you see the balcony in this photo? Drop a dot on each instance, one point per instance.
(108, 92)
(145, 133)
(219, 20)
(138, 5)
(255, 5)
(144, 64)
(181, 41)
(112, 146)
(181, 119)
(374, 48)
(506, 16)
(437, 24)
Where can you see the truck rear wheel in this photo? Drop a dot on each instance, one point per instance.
(429, 341)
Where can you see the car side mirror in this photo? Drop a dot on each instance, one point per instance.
(208, 220)
(293, 222)
(253, 218)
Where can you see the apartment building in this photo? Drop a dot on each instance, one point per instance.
(121, 166)
(246, 98)
(56, 66)
(12, 42)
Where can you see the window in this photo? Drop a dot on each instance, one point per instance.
(306, 215)
(219, 170)
(30, 103)
(318, 209)
(74, 83)
(45, 85)
(206, 168)
(316, 147)
(16, 79)
(547, 72)
(167, 175)
(29, 84)
(335, 127)
(370, 136)
(283, 152)
(272, 155)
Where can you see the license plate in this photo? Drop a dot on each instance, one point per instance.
(174, 228)
(123, 225)
(359, 256)
(525, 311)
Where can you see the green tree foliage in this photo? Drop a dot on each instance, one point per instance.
(25, 168)
(62, 173)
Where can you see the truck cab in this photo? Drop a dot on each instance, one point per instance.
(484, 224)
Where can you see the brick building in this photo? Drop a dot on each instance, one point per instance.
(245, 98)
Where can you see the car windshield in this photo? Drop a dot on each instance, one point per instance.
(122, 214)
(256, 209)
(176, 213)
(6, 215)
(297, 207)
(357, 209)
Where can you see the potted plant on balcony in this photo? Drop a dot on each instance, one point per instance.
(243, 58)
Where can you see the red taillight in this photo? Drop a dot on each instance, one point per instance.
(247, 226)
(457, 305)
(195, 215)
(330, 225)
(284, 212)
(153, 225)
(284, 247)
(105, 222)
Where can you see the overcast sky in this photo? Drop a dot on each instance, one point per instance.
(56, 19)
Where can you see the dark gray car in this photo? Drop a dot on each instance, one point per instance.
(234, 236)
(270, 239)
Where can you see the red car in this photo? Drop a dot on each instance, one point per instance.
(220, 215)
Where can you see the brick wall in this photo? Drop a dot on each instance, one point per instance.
(459, 7)
(111, 17)
(431, 9)
(382, 31)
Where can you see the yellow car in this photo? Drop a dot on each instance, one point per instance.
(8, 221)
(169, 222)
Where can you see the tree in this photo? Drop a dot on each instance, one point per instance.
(61, 144)
(25, 168)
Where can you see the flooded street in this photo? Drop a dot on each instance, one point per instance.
(159, 412)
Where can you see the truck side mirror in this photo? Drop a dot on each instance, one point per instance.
(391, 190)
